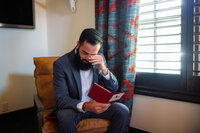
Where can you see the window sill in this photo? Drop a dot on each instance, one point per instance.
(189, 97)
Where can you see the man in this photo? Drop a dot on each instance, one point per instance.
(74, 73)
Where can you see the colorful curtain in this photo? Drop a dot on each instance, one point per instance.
(117, 21)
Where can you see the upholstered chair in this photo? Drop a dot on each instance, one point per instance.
(44, 101)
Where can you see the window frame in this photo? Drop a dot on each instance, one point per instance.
(184, 87)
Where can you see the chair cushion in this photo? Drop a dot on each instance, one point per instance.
(46, 113)
(93, 126)
(48, 127)
(84, 126)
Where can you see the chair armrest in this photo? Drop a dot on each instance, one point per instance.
(38, 103)
(39, 108)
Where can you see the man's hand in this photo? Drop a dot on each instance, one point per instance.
(98, 60)
(95, 107)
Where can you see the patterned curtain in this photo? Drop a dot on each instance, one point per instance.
(117, 21)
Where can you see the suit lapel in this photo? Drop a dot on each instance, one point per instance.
(77, 78)
(95, 75)
(76, 73)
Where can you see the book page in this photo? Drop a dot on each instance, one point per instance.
(116, 96)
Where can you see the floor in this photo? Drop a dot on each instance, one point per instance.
(23, 121)
(18, 122)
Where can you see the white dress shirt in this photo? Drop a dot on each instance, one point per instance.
(86, 82)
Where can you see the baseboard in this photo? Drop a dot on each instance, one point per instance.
(135, 130)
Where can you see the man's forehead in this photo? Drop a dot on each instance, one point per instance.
(89, 53)
(89, 48)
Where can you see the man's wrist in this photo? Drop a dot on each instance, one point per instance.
(105, 71)
(80, 107)
(84, 107)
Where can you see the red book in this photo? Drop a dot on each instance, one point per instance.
(102, 95)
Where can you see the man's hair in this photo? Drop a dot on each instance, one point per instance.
(91, 35)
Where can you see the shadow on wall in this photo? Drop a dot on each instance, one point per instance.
(18, 93)
(41, 3)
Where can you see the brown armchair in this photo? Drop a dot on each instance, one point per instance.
(44, 101)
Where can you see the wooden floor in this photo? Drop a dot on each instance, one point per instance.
(18, 122)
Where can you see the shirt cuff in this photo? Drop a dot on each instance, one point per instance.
(80, 107)
(107, 76)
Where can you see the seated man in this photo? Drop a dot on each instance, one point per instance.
(74, 73)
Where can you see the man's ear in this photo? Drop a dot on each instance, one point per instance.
(78, 44)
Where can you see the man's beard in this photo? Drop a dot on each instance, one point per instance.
(80, 64)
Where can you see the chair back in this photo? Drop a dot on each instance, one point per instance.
(44, 80)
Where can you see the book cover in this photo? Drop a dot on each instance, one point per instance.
(102, 95)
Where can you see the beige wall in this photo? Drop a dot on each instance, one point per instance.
(64, 27)
(159, 115)
(17, 48)
(57, 31)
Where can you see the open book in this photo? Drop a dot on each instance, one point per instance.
(102, 95)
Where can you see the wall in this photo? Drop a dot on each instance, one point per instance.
(57, 31)
(17, 49)
(64, 27)
(159, 115)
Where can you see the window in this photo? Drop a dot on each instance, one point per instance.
(168, 51)
(159, 37)
(196, 41)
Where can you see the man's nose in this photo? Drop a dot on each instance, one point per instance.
(88, 57)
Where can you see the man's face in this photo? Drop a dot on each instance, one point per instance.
(86, 50)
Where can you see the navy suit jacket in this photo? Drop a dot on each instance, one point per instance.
(67, 82)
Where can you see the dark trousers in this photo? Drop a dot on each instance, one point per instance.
(117, 113)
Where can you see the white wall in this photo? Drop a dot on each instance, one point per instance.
(57, 31)
(159, 115)
(64, 27)
(17, 49)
